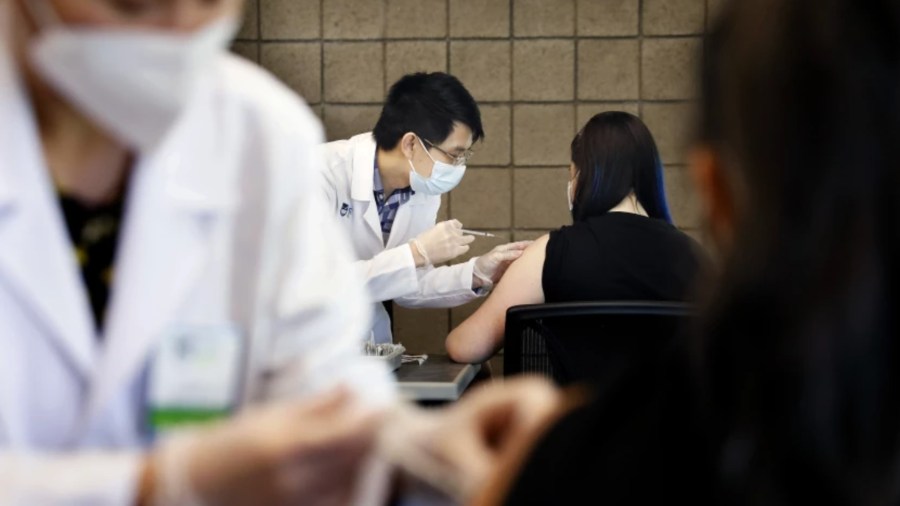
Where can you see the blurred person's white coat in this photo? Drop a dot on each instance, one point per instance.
(219, 229)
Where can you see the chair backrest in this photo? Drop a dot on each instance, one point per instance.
(588, 341)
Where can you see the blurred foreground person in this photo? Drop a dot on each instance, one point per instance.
(162, 266)
(789, 393)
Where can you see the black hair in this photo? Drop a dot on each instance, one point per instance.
(427, 104)
(800, 357)
(615, 154)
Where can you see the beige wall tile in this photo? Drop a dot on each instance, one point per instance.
(496, 366)
(528, 235)
(540, 198)
(290, 19)
(542, 134)
(608, 69)
(545, 18)
(345, 121)
(588, 110)
(671, 126)
(607, 17)
(483, 200)
(483, 67)
(354, 72)
(673, 17)
(479, 18)
(317, 110)
(669, 68)
(403, 58)
(683, 200)
(250, 24)
(444, 211)
(543, 70)
(248, 50)
(421, 330)
(297, 64)
(352, 19)
(425, 19)
(495, 148)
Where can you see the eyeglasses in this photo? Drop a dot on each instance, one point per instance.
(457, 160)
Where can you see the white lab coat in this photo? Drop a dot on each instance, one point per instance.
(389, 269)
(219, 229)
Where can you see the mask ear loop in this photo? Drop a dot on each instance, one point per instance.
(41, 13)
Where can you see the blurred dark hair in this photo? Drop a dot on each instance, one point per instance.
(801, 100)
(614, 154)
(427, 105)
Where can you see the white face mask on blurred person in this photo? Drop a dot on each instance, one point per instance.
(569, 195)
(134, 84)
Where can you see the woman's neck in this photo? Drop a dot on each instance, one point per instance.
(85, 162)
(630, 205)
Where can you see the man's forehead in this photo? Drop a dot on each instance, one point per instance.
(459, 140)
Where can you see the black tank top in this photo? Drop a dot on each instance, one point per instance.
(620, 256)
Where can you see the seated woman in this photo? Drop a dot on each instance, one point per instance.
(622, 245)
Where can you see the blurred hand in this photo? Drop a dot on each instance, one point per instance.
(491, 266)
(308, 453)
(456, 449)
(442, 242)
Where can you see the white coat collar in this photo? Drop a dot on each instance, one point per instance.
(163, 243)
(363, 156)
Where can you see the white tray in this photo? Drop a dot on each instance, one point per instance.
(392, 359)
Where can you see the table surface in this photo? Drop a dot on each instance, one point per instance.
(438, 379)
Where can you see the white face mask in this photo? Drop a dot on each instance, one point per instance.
(134, 84)
(569, 194)
(444, 177)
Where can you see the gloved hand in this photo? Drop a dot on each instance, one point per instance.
(442, 242)
(461, 449)
(489, 268)
(305, 453)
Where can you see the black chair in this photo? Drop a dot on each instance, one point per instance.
(589, 341)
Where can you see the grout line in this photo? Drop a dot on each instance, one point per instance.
(685, 101)
(259, 32)
(321, 42)
(479, 39)
(512, 123)
(576, 43)
(446, 38)
(641, 59)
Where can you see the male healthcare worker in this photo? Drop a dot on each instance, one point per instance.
(385, 187)
(160, 260)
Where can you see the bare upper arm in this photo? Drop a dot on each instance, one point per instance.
(481, 335)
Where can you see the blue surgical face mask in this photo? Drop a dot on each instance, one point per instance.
(444, 177)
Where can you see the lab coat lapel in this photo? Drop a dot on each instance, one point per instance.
(37, 257)
(362, 182)
(172, 208)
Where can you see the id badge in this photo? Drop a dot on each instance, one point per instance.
(194, 376)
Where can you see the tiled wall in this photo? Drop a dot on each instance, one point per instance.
(539, 69)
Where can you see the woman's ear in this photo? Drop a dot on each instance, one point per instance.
(715, 194)
(408, 145)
